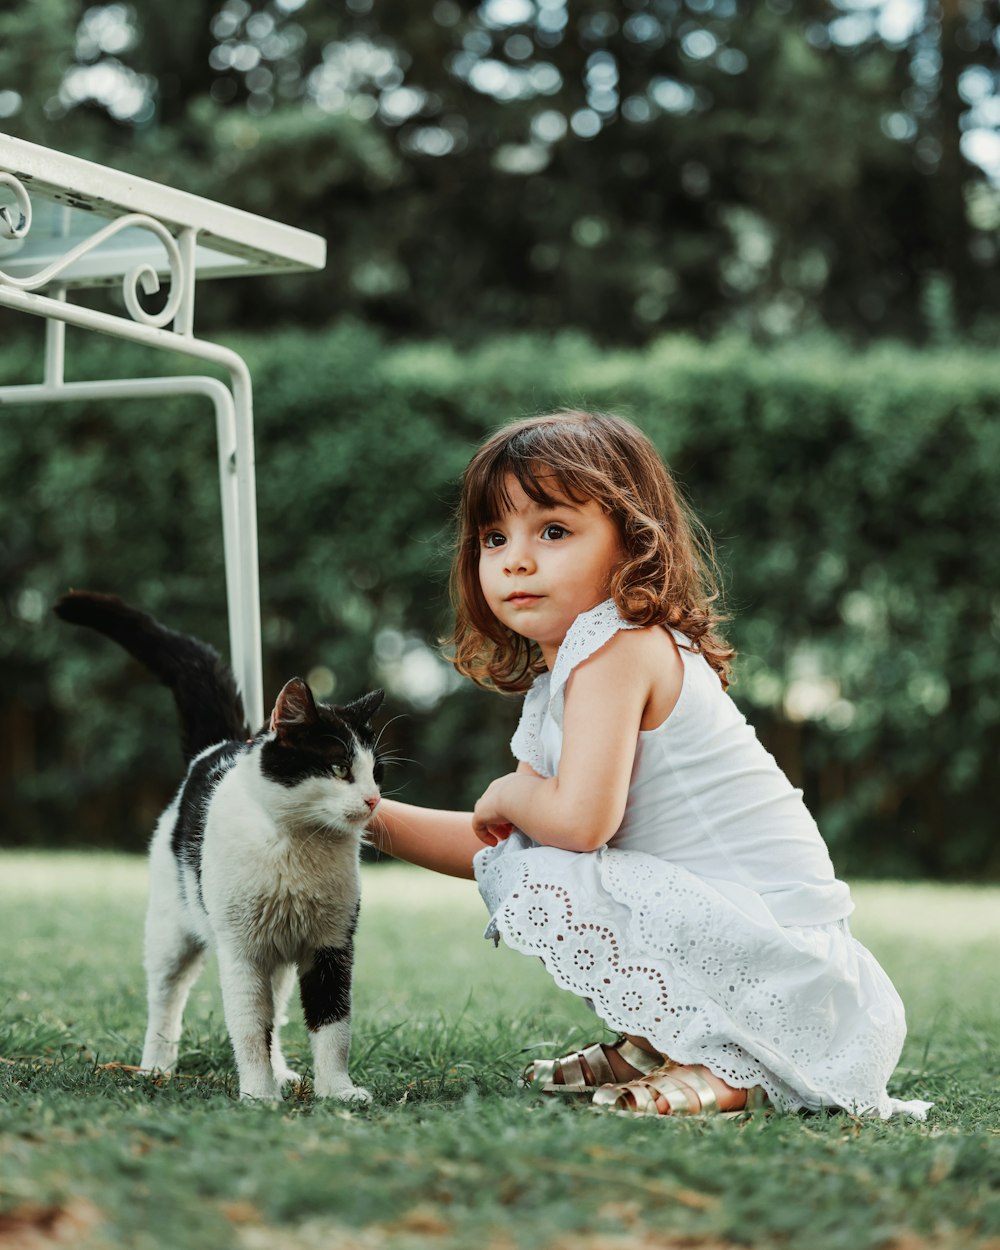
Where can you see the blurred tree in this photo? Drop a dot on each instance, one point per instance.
(624, 167)
(36, 47)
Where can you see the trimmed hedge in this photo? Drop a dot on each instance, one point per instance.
(852, 498)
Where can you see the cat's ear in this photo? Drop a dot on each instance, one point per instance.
(362, 710)
(295, 706)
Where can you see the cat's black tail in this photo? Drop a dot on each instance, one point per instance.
(202, 684)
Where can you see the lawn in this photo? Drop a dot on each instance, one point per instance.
(452, 1155)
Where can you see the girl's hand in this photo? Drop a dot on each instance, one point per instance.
(489, 823)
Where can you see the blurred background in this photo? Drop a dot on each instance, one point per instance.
(765, 231)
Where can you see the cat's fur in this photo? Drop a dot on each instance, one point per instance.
(256, 857)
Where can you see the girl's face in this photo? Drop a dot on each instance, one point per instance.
(541, 565)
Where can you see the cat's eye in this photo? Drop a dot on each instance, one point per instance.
(342, 772)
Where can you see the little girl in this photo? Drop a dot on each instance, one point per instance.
(647, 848)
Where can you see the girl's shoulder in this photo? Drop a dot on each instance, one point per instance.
(613, 655)
(646, 661)
(612, 649)
(603, 631)
(589, 634)
(634, 645)
(591, 631)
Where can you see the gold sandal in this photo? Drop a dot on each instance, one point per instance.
(574, 1068)
(687, 1094)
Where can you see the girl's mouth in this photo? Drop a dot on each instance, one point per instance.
(522, 599)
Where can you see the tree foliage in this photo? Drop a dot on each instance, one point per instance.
(622, 167)
(851, 497)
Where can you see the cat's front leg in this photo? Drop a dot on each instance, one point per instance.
(325, 985)
(282, 984)
(249, 1009)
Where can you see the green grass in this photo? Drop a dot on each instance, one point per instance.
(452, 1155)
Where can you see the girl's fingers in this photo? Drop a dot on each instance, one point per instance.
(492, 834)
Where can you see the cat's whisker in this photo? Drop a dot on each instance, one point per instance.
(398, 759)
(391, 794)
(392, 720)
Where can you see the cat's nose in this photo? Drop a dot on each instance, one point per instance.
(373, 801)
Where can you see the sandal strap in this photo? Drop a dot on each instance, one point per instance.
(568, 1074)
(596, 1060)
(639, 1100)
(687, 1094)
(642, 1060)
(696, 1081)
(684, 1096)
(571, 1070)
(540, 1072)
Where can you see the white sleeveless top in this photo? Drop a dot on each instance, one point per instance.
(711, 923)
(704, 792)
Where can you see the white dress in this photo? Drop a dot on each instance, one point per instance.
(712, 923)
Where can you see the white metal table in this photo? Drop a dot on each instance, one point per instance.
(68, 224)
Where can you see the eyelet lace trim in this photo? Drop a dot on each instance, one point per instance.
(588, 633)
(805, 1012)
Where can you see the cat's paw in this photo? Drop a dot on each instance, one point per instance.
(284, 1075)
(355, 1094)
(158, 1059)
(348, 1093)
(260, 1100)
(263, 1092)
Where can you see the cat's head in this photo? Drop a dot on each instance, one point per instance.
(326, 755)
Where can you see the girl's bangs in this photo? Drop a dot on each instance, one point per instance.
(536, 472)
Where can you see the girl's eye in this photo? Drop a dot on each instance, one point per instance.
(555, 531)
(493, 539)
(342, 772)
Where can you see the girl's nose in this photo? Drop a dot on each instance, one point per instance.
(518, 559)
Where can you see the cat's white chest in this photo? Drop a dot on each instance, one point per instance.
(276, 894)
(295, 916)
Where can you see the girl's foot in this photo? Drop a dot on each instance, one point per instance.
(677, 1090)
(585, 1071)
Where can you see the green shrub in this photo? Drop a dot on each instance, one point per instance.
(851, 496)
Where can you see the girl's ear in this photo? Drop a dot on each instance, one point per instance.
(362, 710)
(295, 706)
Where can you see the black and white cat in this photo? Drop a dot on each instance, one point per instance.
(256, 857)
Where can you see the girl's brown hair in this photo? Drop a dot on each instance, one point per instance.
(666, 578)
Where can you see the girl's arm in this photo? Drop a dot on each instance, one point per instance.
(432, 838)
(605, 701)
